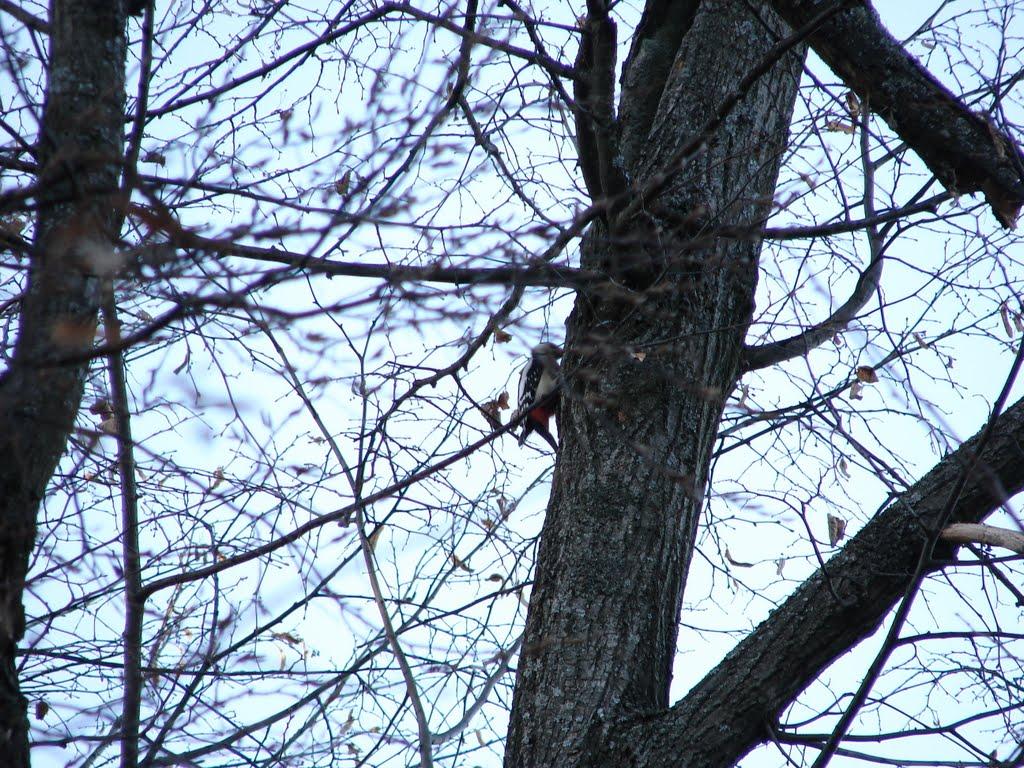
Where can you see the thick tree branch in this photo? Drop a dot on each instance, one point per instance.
(972, 467)
(665, 163)
(725, 715)
(989, 535)
(962, 148)
(26, 18)
(655, 44)
(594, 91)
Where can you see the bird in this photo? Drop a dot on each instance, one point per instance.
(539, 391)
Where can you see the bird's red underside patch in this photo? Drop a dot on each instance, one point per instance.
(540, 415)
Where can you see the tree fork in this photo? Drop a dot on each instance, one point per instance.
(627, 490)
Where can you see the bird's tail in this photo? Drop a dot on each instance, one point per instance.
(543, 432)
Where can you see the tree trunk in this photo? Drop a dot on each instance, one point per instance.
(79, 156)
(649, 364)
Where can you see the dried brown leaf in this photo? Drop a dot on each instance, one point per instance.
(867, 374)
(744, 394)
(836, 529)
(72, 333)
(101, 406)
(840, 126)
(737, 563)
(852, 104)
(490, 410)
(1004, 314)
(342, 184)
(13, 225)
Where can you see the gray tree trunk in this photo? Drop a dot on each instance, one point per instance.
(701, 127)
(79, 156)
(649, 365)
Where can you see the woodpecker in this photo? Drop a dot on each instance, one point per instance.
(538, 391)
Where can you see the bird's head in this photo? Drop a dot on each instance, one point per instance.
(547, 350)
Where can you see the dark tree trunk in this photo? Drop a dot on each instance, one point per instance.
(651, 357)
(79, 154)
(650, 363)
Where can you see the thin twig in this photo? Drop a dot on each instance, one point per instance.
(867, 283)
(425, 740)
(426, 757)
(134, 596)
(913, 586)
(476, 706)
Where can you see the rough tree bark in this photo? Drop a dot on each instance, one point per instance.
(79, 154)
(730, 711)
(621, 521)
(593, 679)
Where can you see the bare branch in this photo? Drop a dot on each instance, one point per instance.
(505, 661)
(990, 535)
(411, 688)
(757, 357)
(29, 20)
(723, 716)
(867, 284)
(964, 150)
(134, 601)
(596, 127)
(535, 274)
